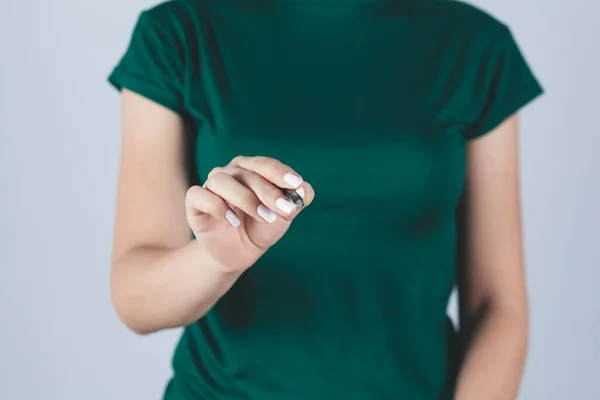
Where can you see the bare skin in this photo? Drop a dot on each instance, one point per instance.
(493, 300)
(162, 279)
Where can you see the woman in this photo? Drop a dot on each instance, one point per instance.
(395, 121)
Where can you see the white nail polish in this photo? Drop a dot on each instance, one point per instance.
(232, 218)
(285, 205)
(292, 180)
(300, 192)
(266, 214)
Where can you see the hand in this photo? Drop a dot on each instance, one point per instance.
(240, 211)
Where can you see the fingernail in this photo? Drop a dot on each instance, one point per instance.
(292, 180)
(285, 205)
(266, 214)
(300, 192)
(232, 218)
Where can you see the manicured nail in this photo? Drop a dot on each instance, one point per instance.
(232, 218)
(285, 205)
(292, 180)
(300, 192)
(266, 214)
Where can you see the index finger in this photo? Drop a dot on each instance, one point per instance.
(271, 169)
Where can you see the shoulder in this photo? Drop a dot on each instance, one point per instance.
(175, 18)
(459, 12)
(171, 10)
(466, 21)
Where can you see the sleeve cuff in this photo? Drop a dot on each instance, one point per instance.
(518, 102)
(121, 79)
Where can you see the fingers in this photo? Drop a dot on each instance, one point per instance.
(252, 185)
(272, 196)
(272, 170)
(200, 201)
(307, 193)
(233, 192)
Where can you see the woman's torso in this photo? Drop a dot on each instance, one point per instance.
(370, 101)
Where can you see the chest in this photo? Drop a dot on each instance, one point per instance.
(354, 106)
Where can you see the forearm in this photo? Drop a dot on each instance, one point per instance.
(154, 289)
(495, 356)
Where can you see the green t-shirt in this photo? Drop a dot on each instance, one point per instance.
(372, 102)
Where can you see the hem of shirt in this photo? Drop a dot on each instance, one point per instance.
(121, 79)
(514, 106)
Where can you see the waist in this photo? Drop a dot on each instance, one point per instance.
(275, 366)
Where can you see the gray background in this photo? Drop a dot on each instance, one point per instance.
(59, 147)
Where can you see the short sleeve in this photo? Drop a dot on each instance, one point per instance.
(152, 65)
(505, 84)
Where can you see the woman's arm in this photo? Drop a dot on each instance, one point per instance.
(493, 301)
(160, 278)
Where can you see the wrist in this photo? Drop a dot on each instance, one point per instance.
(212, 264)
